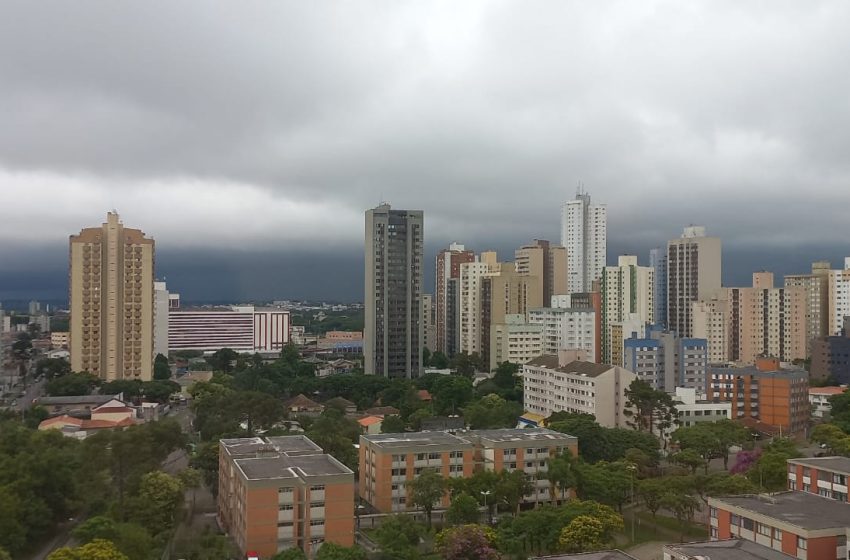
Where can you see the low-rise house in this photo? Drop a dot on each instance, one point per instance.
(81, 405)
(106, 417)
(382, 411)
(342, 404)
(819, 400)
(302, 404)
(371, 424)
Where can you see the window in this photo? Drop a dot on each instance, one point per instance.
(434, 455)
(839, 479)
(285, 524)
(317, 504)
(317, 522)
(712, 512)
(285, 507)
(317, 488)
(398, 458)
(420, 456)
(777, 534)
(735, 521)
(747, 524)
(284, 490)
(765, 530)
(801, 543)
(399, 472)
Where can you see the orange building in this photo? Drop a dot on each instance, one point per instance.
(276, 493)
(765, 393)
(388, 461)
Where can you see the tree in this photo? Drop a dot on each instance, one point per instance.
(98, 549)
(833, 437)
(650, 491)
(450, 393)
(492, 411)
(98, 527)
(159, 390)
(72, 384)
(222, 360)
(161, 369)
(52, 367)
(426, 356)
(129, 388)
(583, 534)
(331, 551)
(596, 443)
(561, 474)
(683, 506)
(463, 509)
(392, 425)
(770, 470)
(426, 490)
(5, 555)
(160, 496)
(290, 554)
(191, 478)
(467, 542)
(466, 364)
(439, 360)
(607, 483)
(511, 486)
(647, 407)
(399, 536)
(690, 459)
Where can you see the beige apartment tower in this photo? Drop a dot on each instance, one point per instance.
(548, 263)
(693, 274)
(111, 296)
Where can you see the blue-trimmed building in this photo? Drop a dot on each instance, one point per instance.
(666, 361)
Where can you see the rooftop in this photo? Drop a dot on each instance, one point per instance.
(601, 555)
(587, 369)
(800, 509)
(435, 439)
(837, 464)
(464, 438)
(732, 549)
(826, 390)
(755, 372)
(82, 399)
(281, 457)
(519, 434)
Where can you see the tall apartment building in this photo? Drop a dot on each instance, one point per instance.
(551, 384)
(627, 291)
(667, 361)
(816, 286)
(777, 398)
(831, 357)
(429, 329)
(161, 301)
(584, 235)
(546, 262)
(693, 274)
(711, 321)
(658, 264)
(503, 294)
(111, 296)
(240, 328)
(566, 326)
(619, 332)
(446, 296)
(388, 461)
(591, 300)
(470, 329)
(276, 493)
(839, 298)
(392, 334)
(515, 341)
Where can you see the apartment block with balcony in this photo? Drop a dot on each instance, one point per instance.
(819, 400)
(515, 341)
(389, 461)
(277, 493)
(566, 326)
(667, 361)
(824, 476)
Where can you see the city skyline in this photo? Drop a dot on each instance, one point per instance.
(318, 113)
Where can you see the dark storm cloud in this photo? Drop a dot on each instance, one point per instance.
(267, 128)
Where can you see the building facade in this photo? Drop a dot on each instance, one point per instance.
(693, 408)
(429, 329)
(711, 321)
(667, 361)
(831, 358)
(392, 334)
(240, 328)
(693, 274)
(277, 493)
(445, 297)
(584, 235)
(839, 298)
(819, 400)
(627, 291)
(161, 310)
(658, 264)
(470, 328)
(566, 327)
(551, 384)
(515, 341)
(111, 301)
(546, 262)
(824, 476)
(816, 287)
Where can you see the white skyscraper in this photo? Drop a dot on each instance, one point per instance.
(584, 234)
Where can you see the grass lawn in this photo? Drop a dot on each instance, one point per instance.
(665, 529)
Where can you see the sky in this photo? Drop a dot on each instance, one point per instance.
(248, 138)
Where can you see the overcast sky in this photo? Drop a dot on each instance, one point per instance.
(248, 138)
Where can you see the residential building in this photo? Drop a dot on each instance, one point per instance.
(111, 301)
(470, 328)
(551, 384)
(388, 461)
(584, 235)
(108, 416)
(729, 549)
(592, 300)
(392, 336)
(620, 331)
(693, 274)
(566, 327)
(799, 524)
(34, 307)
(667, 361)
(658, 264)
(429, 329)
(838, 298)
(60, 339)
(694, 407)
(446, 297)
(40, 320)
(626, 295)
(515, 341)
(819, 400)
(547, 263)
(240, 328)
(816, 287)
(823, 476)
(276, 493)
(831, 357)
(711, 321)
(161, 308)
(80, 406)
(767, 393)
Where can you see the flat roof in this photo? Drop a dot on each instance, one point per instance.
(81, 399)
(519, 434)
(839, 464)
(800, 509)
(406, 439)
(465, 438)
(601, 555)
(285, 466)
(577, 367)
(731, 549)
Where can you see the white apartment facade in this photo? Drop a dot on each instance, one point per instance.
(565, 327)
(627, 297)
(469, 292)
(693, 274)
(515, 341)
(551, 384)
(839, 298)
(710, 320)
(584, 234)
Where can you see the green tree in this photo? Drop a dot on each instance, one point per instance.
(159, 498)
(426, 356)
(648, 408)
(159, 390)
(425, 491)
(392, 425)
(651, 491)
(463, 509)
(290, 554)
(97, 527)
(223, 360)
(98, 549)
(770, 471)
(607, 483)
(492, 411)
(690, 459)
(439, 360)
(191, 478)
(72, 384)
(129, 388)
(52, 367)
(161, 369)
(5, 555)
(596, 443)
(683, 506)
(836, 441)
(561, 474)
(583, 534)
(398, 536)
(450, 393)
(511, 486)
(466, 364)
(331, 551)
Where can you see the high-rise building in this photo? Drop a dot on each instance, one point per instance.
(515, 341)
(392, 334)
(567, 325)
(839, 298)
(34, 307)
(816, 286)
(546, 262)
(160, 318)
(693, 273)
(470, 329)
(626, 296)
(658, 263)
(446, 298)
(711, 321)
(429, 329)
(667, 361)
(111, 295)
(584, 235)
(240, 328)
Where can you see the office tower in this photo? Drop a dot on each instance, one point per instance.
(548, 263)
(111, 295)
(839, 298)
(446, 297)
(583, 233)
(626, 296)
(658, 263)
(816, 286)
(693, 273)
(429, 329)
(667, 361)
(242, 328)
(160, 318)
(392, 334)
